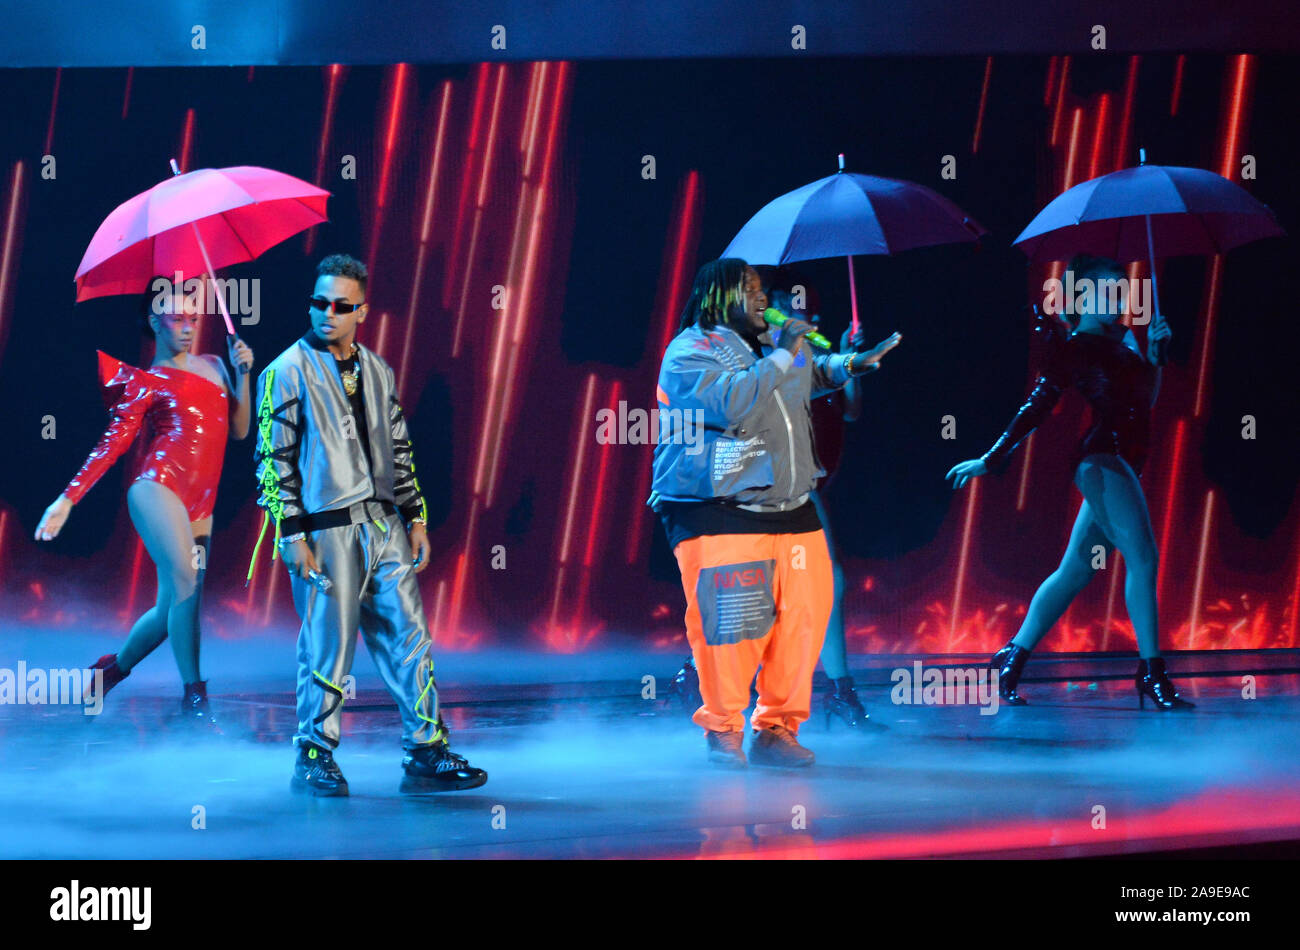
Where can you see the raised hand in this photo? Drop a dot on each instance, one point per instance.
(963, 472)
(874, 354)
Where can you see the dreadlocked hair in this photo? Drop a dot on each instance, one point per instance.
(718, 295)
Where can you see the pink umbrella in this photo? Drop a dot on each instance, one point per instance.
(195, 223)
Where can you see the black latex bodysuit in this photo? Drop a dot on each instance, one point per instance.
(1118, 385)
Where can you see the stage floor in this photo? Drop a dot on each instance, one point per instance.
(582, 767)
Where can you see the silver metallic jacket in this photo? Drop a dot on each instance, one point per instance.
(309, 454)
(756, 446)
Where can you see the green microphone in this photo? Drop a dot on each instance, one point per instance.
(778, 319)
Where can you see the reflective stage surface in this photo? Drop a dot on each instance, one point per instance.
(581, 765)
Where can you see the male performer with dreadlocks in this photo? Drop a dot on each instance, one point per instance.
(733, 470)
(335, 464)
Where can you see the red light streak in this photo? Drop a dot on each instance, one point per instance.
(390, 137)
(1099, 134)
(472, 155)
(984, 96)
(966, 531)
(1074, 149)
(54, 106)
(1199, 583)
(1179, 65)
(426, 228)
(670, 298)
(1052, 65)
(582, 434)
(126, 92)
(1171, 494)
(522, 310)
(335, 76)
(187, 140)
(1244, 67)
(492, 424)
(1197, 820)
(478, 209)
(1295, 602)
(1126, 118)
(598, 497)
(1060, 98)
(1207, 335)
(9, 256)
(1024, 472)
(492, 420)
(1116, 561)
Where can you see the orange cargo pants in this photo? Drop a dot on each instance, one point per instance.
(755, 603)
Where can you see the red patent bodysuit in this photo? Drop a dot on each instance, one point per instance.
(187, 416)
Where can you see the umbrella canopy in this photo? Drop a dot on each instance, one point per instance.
(1191, 211)
(848, 214)
(195, 223)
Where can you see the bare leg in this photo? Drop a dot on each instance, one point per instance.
(1115, 495)
(164, 527)
(146, 635)
(1065, 583)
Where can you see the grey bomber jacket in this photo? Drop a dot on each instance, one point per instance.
(736, 426)
(308, 454)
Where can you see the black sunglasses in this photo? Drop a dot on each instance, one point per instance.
(340, 306)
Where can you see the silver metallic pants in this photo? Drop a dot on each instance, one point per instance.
(374, 589)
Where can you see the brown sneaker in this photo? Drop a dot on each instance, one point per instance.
(727, 749)
(777, 747)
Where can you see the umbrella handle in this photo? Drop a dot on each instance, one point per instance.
(1159, 355)
(207, 263)
(854, 325)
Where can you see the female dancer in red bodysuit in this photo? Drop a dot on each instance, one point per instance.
(185, 399)
(1102, 361)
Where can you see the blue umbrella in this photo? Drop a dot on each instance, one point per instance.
(1126, 214)
(847, 214)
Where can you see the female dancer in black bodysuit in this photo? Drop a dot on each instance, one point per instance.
(1101, 359)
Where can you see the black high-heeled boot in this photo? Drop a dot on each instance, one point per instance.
(844, 704)
(1010, 663)
(1152, 680)
(685, 687)
(194, 707)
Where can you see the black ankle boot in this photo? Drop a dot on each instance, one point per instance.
(845, 705)
(1010, 662)
(1152, 680)
(194, 707)
(685, 687)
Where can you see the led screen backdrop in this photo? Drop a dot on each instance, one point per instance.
(532, 230)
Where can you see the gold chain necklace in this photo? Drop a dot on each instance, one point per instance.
(350, 375)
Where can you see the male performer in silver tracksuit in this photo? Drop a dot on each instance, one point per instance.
(335, 467)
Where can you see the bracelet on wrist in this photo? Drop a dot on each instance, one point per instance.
(290, 539)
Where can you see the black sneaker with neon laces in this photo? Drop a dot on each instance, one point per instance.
(435, 768)
(316, 773)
